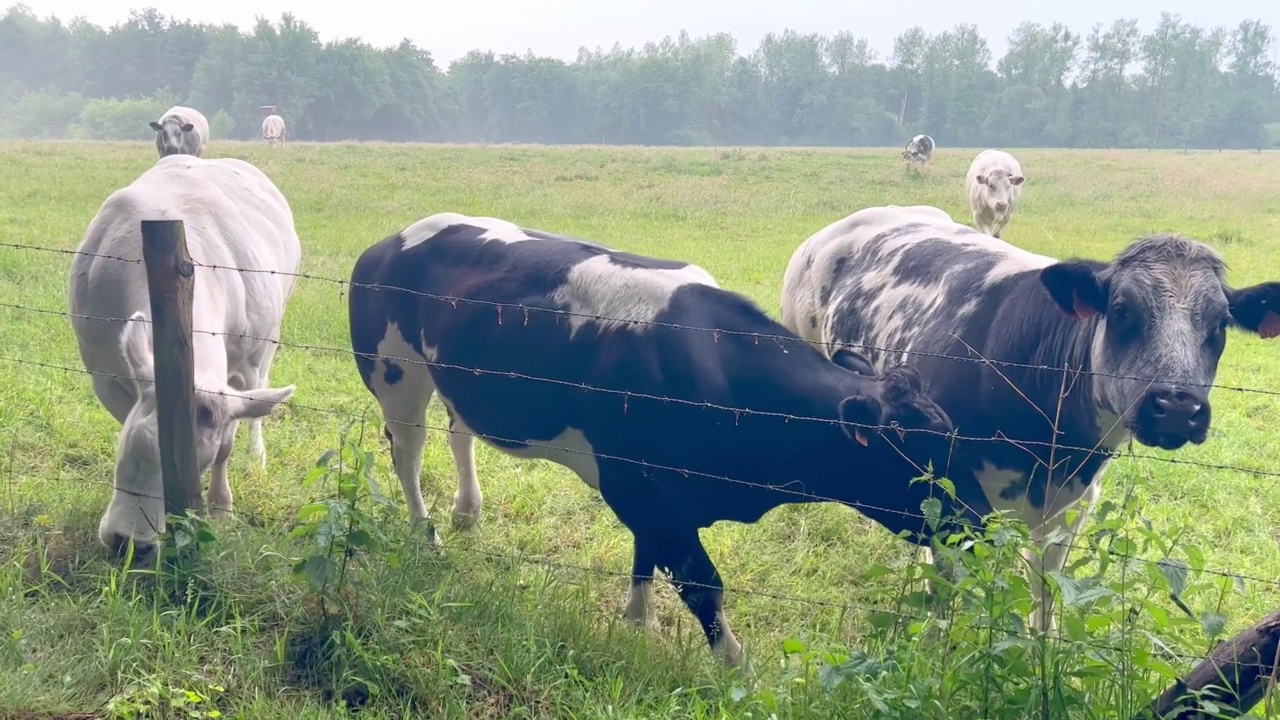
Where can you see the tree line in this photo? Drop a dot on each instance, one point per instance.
(1178, 86)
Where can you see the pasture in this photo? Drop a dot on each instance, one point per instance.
(521, 617)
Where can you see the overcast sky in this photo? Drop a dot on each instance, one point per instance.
(450, 28)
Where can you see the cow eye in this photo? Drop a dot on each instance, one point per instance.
(1120, 314)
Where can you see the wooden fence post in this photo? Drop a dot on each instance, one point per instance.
(171, 281)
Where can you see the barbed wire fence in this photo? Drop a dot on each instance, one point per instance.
(1264, 664)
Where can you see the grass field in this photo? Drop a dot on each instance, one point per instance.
(504, 621)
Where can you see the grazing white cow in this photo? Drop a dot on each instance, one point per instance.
(994, 186)
(181, 130)
(273, 129)
(919, 150)
(234, 217)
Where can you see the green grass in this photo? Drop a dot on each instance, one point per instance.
(484, 628)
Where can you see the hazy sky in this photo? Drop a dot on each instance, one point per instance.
(450, 28)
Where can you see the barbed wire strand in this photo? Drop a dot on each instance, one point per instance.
(777, 338)
(546, 563)
(801, 495)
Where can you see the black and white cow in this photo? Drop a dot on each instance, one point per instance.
(906, 280)
(918, 150)
(507, 324)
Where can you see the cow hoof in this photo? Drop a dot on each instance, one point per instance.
(464, 520)
(420, 526)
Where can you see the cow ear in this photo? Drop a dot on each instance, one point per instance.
(155, 126)
(859, 414)
(136, 343)
(1017, 179)
(1076, 288)
(257, 403)
(850, 359)
(188, 127)
(1257, 309)
(982, 179)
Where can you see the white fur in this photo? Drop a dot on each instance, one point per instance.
(432, 225)
(273, 129)
(611, 296)
(1001, 169)
(199, 133)
(801, 288)
(235, 217)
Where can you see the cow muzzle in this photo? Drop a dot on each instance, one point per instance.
(1169, 418)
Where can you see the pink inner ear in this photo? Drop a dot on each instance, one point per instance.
(1083, 311)
(1270, 325)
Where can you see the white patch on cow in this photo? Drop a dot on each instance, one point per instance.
(432, 225)
(404, 409)
(994, 479)
(611, 295)
(639, 608)
(570, 449)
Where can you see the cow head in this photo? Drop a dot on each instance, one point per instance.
(1160, 314)
(894, 397)
(996, 189)
(169, 135)
(136, 510)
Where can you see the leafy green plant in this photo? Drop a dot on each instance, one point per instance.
(341, 529)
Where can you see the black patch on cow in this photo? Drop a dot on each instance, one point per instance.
(813, 322)
(391, 372)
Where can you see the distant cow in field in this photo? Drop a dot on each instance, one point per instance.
(994, 188)
(919, 150)
(273, 129)
(1100, 352)
(507, 324)
(181, 130)
(234, 217)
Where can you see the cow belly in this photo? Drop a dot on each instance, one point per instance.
(569, 448)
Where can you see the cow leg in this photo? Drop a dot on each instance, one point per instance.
(639, 609)
(404, 409)
(1053, 555)
(257, 381)
(115, 395)
(467, 500)
(219, 496)
(680, 552)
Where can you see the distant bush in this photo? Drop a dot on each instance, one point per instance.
(122, 119)
(1272, 135)
(221, 126)
(42, 114)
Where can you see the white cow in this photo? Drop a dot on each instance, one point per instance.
(994, 187)
(181, 130)
(273, 129)
(234, 217)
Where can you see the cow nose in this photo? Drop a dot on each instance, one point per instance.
(118, 544)
(1001, 207)
(1177, 411)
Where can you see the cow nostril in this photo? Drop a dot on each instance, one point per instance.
(1159, 406)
